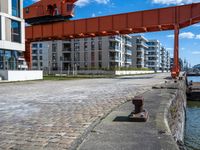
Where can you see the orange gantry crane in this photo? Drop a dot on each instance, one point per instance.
(49, 20)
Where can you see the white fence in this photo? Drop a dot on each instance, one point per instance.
(21, 75)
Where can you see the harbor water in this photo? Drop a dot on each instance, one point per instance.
(192, 127)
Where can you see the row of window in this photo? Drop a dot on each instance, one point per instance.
(9, 59)
(15, 31)
(16, 8)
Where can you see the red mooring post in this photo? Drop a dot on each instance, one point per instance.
(176, 68)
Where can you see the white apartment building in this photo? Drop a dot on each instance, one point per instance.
(165, 59)
(154, 55)
(168, 61)
(140, 47)
(12, 40)
(86, 53)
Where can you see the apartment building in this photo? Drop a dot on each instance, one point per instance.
(12, 40)
(140, 47)
(154, 55)
(168, 61)
(86, 53)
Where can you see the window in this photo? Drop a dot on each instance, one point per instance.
(16, 8)
(34, 45)
(100, 56)
(34, 51)
(40, 45)
(100, 45)
(40, 57)
(27, 10)
(54, 47)
(40, 51)
(35, 64)
(34, 58)
(92, 45)
(15, 31)
(85, 46)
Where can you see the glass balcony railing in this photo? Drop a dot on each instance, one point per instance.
(142, 43)
(128, 43)
(116, 58)
(66, 59)
(67, 49)
(117, 48)
(140, 56)
(115, 38)
(128, 60)
(129, 52)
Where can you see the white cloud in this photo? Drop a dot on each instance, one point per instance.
(169, 49)
(187, 35)
(196, 52)
(170, 36)
(102, 1)
(93, 15)
(184, 35)
(176, 2)
(198, 36)
(196, 25)
(82, 3)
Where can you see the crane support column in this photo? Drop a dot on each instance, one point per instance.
(176, 68)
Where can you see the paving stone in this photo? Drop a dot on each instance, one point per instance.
(54, 114)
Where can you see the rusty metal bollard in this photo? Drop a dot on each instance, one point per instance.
(139, 114)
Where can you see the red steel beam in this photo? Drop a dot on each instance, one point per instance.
(170, 18)
(135, 22)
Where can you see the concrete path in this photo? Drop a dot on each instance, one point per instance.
(117, 132)
(57, 114)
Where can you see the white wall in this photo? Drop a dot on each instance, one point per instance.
(133, 72)
(21, 75)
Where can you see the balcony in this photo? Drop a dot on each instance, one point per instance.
(140, 49)
(114, 48)
(140, 63)
(129, 61)
(142, 43)
(67, 50)
(128, 52)
(128, 43)
(115, 38)
(67, 59)
(115, 58)
(140, 56)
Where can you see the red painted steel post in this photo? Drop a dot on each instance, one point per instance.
(176, 68)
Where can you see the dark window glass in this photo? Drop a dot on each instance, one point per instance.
(16, 8)
(16, 31)
(34, 45)
(9, 59)
(27, 10)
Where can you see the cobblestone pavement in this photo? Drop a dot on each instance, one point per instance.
(54, 114)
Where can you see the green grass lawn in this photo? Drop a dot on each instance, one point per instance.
(71, 77)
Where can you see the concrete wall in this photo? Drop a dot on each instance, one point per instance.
(133, 72)
(21, 75)
(172, 118)
(104, 72)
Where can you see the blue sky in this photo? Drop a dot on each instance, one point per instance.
(189, 37)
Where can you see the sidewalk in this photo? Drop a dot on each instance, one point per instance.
(115, 132)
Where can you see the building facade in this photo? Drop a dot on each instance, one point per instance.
(87, 53)
(140, 47)
(12, 40)
(154, 55)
